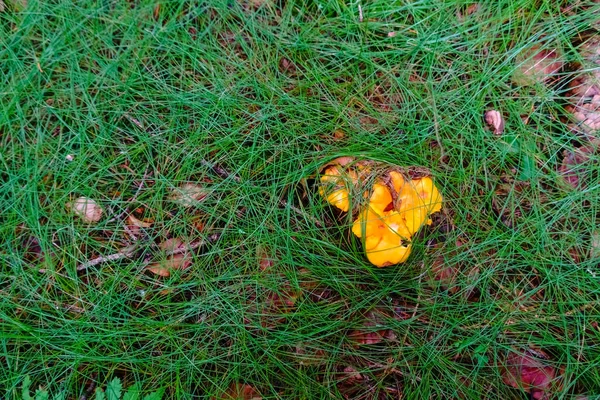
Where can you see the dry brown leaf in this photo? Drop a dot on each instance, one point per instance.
(188, 195)
(366, 334)
(338, 134)
(471, 9)
(282, 302)
(32, 250)
(443, 275)
(494, 119)
(536, 65)
(307, 354)
(571, 169)
(239, 391)
(171, 262)
(86, 209)
(265, 259)
(285, 65)
(139, 223)
(352, 375)
(525, 372)
(588, 114)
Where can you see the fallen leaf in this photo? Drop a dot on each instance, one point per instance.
(32, 250)
(282, 302)
(338, 134)
(525, 372)
(366, 334)
(307, 354)
(156, 12)
(588, 114)
(139, 223)
(494, 119)
(443, 275)
(188, 195)
(536, 65)
(86, 209)
(471, 9)
(571, 169)
(265, 259)
(351, 375)
(180, 261)
(2, 6)
(239, 391)
(285, 65)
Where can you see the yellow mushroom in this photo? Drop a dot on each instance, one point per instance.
(395, 210)
(418, 199)
(383, 236)
(337, 194)
(389, 251)
(381, 198)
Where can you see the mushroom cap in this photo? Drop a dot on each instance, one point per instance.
(388, 251)
(428, 193)
(398, 180)
(339, 198)
(418, 199)
(338, 181)
(380, 198)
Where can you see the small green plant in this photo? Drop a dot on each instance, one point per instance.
(113, 391)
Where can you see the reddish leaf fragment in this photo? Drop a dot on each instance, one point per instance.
(471, 9)
(32, 250)
(265, 258)
(570, 168)
(366, 334)
(444, 276)
(176, 258)
(239, 391)
(530, 374)
(536, 65)
(352, 375)
(285, 65)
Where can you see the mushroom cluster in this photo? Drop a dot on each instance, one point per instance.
(395, 206)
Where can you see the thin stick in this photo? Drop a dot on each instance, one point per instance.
(129, 252)
(222, 172)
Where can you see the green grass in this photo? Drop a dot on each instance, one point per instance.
(259, 91)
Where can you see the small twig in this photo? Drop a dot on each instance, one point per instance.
(130, 251)
(222, 172)
(194, 245)
(90, 388)
(127, 252)
(360, 13)
(134, 121)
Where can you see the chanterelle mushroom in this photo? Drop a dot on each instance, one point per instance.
(395, 211)
(336, 189)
